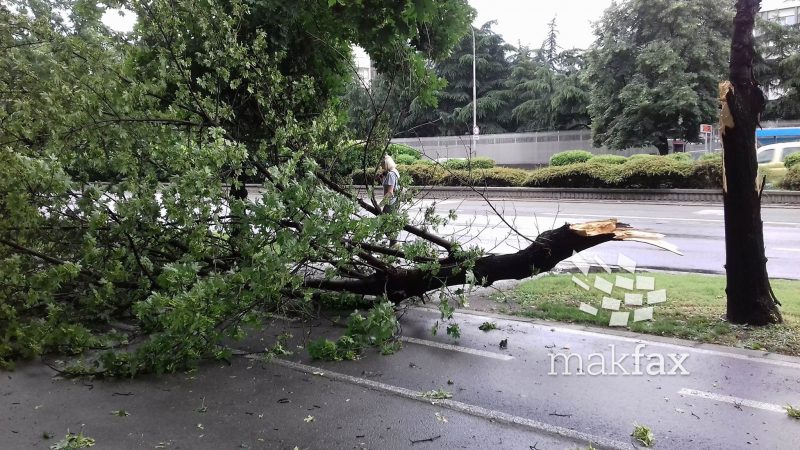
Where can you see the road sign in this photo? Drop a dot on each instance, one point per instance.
(705, 128)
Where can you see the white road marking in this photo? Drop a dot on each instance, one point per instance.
(667, 219)
(587, 217)
(788, 249)
(711, 212)
(466, 408)
(732, 400)
(457, 348)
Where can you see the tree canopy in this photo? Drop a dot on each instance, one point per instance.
(777, 68)
(654, 68)
(124, 157)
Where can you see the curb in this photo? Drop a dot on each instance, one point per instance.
(654, 195)
(776, 358)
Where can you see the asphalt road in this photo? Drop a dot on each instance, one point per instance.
(519, 397)
(697, 230)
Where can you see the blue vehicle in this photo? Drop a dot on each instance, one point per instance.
(767, 136)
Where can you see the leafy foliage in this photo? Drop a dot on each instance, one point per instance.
(610, 159)
(570, 157)
(73, 442)
(644, 435)
(479, 162)
(791, 160)
(654, 68)
(777, 68)
(174, 119)
(792, 179)
(487, 326)
(377, 329)
(685, 157)
(438, 394)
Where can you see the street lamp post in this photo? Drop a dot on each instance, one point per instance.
(475, 130)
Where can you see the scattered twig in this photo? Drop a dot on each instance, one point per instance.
(560, 415)
(430, 439)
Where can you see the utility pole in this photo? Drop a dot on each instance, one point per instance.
(475, 130)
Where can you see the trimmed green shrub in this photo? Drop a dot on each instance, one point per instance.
(497, 176)
(455, 164)
(655, 173)
(423, 174)
(424, 161)
(710, 156)
(792, 160)
(395, 150)
(642, 156)
(405, 159)
(707, 173)
(360, 177)
(570, 157)
(481, 162)
(589, 174)
(792, 179)
(680, 156)
(609, 159)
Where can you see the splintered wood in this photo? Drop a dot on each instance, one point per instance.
(623, 232)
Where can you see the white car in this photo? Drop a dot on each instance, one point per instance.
(776, 153)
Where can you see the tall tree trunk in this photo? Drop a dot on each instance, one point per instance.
(750, 298)
(662, 145)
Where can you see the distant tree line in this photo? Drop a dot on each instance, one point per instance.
(651, 74)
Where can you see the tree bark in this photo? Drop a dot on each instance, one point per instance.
(750, 297)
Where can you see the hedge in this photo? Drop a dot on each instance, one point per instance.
(395, 150)
(642, 156)
(643, 173)
(570, 157)
(710, 156)
(588, 174)
(791, 160)
(405, 159)
(657, 172)
(495, 177)
(707, 173)
(609, 159)
(479, 162)
(792, 179)
(680, 156)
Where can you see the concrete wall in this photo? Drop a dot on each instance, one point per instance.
(512, 149)
(535, 149)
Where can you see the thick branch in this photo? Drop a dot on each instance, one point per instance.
(550, 248)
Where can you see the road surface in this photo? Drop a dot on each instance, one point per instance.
(698, 230)
(519, 397)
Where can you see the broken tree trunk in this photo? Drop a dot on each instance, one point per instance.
(549, 248)
(750, 298)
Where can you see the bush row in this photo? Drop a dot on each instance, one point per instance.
(581, 156)
(792, 160)
(645, 172)
(792, 179)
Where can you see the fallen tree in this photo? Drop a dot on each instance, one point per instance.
(125, 224)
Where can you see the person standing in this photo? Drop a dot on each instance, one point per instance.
(391, 184)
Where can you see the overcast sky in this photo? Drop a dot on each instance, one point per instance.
(526, 21)
(521, 20)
